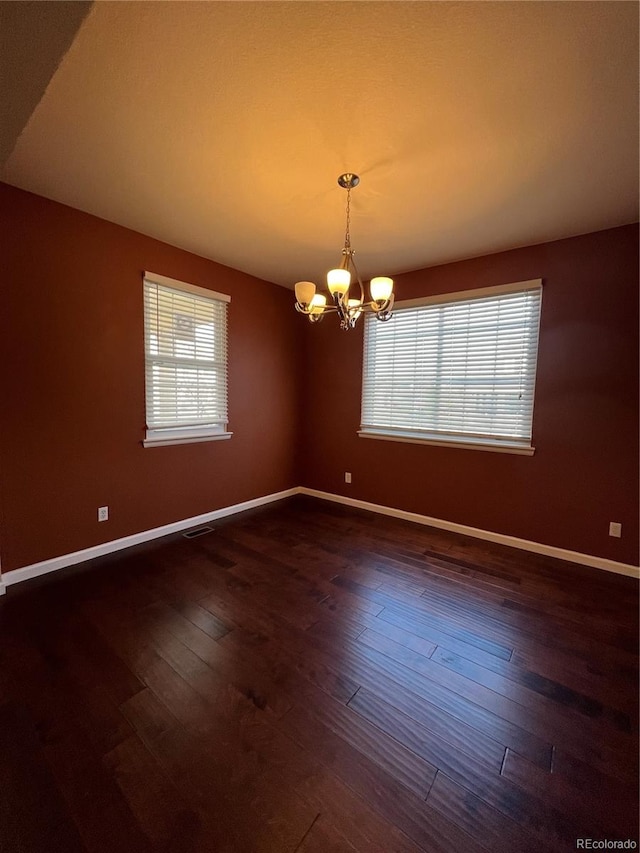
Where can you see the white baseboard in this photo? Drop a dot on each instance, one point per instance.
(501, 538)
(65, 560)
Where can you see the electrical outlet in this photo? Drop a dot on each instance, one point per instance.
(347, 476)
(103, 513)
(615, 529)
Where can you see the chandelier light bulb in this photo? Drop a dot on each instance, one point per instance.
(355, 308)
(305, 291)
(338, 281)
(381, 288)
(318, 303)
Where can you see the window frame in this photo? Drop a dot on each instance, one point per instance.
(453, 439)
(176, 434)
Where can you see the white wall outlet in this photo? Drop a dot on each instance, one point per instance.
(347, 476)
(103, 513)
(615, 529)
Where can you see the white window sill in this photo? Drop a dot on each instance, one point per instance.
(464, 443)
(170, 437)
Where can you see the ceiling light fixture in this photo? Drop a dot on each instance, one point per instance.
(314, 305)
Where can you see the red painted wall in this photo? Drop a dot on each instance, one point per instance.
(584, 473)
(72, 386)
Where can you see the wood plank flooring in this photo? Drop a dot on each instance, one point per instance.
(308, 678)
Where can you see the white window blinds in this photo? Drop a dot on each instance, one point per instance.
(185, 358)
(455, 367)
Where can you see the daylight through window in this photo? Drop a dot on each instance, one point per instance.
(185, 362)
(455, 369)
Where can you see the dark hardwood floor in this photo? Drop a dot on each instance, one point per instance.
(313, 678)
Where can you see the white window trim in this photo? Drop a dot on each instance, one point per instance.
(160, 437)
(494, 445)
(183, 285)
(184, 435)
(476, 293)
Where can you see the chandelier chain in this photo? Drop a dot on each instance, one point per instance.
(347, 235)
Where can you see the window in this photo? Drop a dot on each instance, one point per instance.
(185, 342)
(456, 369)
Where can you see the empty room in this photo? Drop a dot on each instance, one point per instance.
(319, 464)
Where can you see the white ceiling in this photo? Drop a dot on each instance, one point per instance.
(221, 127)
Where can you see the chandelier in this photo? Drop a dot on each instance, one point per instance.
(349, 308)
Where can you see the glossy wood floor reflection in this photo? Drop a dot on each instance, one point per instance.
(313, 678)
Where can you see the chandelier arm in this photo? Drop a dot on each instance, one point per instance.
(375, 308)
(316, 311)
(355, 269)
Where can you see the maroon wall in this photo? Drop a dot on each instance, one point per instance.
(72, 386)
(584, 473)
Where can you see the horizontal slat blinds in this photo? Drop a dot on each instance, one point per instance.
(186, 357)
(462, 368)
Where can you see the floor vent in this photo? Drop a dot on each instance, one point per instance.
(199, 531)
